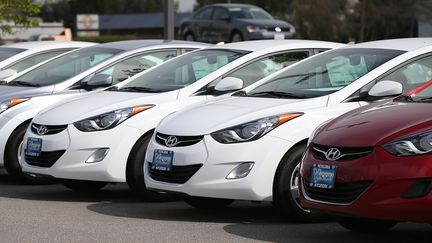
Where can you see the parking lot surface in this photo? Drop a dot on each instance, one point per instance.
(52, 213)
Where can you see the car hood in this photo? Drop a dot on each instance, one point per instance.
(10, 92)
(94, 104)
(219, 114)
(376, 124)
(269, 23)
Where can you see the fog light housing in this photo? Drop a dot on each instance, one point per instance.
(418, 189)
(98, 155)
(241, 171)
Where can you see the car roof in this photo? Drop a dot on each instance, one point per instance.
(404, 44)
(234, 5)
(134, 44)
(48, 44)
(269, 44)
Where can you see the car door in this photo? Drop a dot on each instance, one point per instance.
(201, 24)
(220, 27)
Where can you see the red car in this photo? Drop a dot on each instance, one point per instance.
(372, 167)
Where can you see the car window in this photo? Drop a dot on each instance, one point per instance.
(6, 52)
(327, 72)
(265, 66)
(35, 59)
(220, 13)
(204, 14)
(248, 13)
(66, 66)
(136, 64)
(412, 74)
(183, 70)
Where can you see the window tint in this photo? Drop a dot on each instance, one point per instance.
(220, 13)
(249, 13)
(35, 59)
(182, 71)
(266, 66)
(328, 72)
(204, 14)
(133, 65)
(67, 66)
(412, 74)
(6, 52)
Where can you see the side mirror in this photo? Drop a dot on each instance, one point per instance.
(7, 73)
(386, 88)
(229, 84)
(100, 80)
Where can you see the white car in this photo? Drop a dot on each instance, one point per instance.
(17, 57)
(70, 75)
(103, 136)
(248, 146)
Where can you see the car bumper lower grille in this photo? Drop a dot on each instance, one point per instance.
(46, 159)
(177, 174)
(342, 193)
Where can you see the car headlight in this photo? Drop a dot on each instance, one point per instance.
(414, 145)
(313, 134)
(252, 130)
(109, 120)
(11, 103)
(251, 28)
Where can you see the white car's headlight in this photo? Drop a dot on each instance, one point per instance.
(252, 130)
(414, 145)
(109, 120)
(11, 103)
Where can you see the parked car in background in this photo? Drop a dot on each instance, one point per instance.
(70, 75)
(373, 165)
(103, 136)
(17, 57)
(232, 23)
(249, 145)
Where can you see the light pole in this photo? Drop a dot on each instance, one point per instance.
(169, 20)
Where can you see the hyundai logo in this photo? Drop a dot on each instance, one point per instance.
(41, 130)
(171, 141)
(333, 154)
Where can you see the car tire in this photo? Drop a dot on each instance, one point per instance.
(236, 37)
(366, 225)
(11, 161)
(135, 173)
(84, 186)
(207, 203)
(286, 191)
(189, 37)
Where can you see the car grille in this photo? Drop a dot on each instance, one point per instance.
(46, 159)
(286, 29)
(177, 174)
(348, 153)
(181, 141)
(46, 130)
(343, 193)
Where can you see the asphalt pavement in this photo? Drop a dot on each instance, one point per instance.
(52, 213)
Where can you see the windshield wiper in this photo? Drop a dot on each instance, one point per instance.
(22, 83)
(141, 89)
(278, 94)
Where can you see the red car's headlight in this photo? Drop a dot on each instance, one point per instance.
(414, 145)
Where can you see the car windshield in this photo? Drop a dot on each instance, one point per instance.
(6, 52)
(248, 13)
(181, 71)
(65, 67)
(325, 73)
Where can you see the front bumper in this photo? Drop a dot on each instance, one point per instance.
(259, 35)
(217, 161)
(79, 146)
(385, 198)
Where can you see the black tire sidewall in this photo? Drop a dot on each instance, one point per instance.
(11, 162)
(238, 34)
(135, 165)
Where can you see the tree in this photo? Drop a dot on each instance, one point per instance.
(17, 12)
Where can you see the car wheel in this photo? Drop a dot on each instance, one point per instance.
(84, 186)
(366, 225)
(286, 195)
(207, 203)
(189, 37)
(11, 158)
(135, 173)
(236, 37)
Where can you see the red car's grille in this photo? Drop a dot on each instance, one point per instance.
(346, 153)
